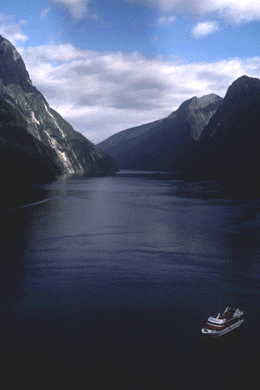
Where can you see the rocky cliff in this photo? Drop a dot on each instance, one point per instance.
(71, 151)
(22, 157)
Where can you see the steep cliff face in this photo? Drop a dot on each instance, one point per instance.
(22, 157)
(72, 151)
(168, 144)
(229, 144)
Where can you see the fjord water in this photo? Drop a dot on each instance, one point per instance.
(106, 283)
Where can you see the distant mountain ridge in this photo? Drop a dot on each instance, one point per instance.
(71, 151)
(165, 144)
(127, 134)
(210, 137)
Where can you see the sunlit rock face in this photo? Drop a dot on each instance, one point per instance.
(23, 158)
(72, 151)
(167, 144)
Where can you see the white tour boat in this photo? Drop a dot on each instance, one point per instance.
(223, 323)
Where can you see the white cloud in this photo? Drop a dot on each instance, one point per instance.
(77, 8)
(205, 28)
(12, 32)
(165, 21)
(235, 11)
(103, 93)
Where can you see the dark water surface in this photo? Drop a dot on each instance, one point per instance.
(107, 283)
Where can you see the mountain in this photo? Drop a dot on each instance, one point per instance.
(167, 144)
(22, 157)
(122, 136)
(71, 151)
(229, 145)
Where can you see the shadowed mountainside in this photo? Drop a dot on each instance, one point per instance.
(229, 145)
(167, 144)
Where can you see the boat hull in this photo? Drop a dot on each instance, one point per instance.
(217, 333)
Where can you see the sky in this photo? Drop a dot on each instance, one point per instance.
(106, 66)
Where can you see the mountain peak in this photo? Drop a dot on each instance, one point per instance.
(208, 99)
(194, 103)
(243, 94)
(243, 85)
(71, 151)
(243, 80)
(12, 70)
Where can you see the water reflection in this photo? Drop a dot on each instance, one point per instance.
(224, 342)
(131, 263)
